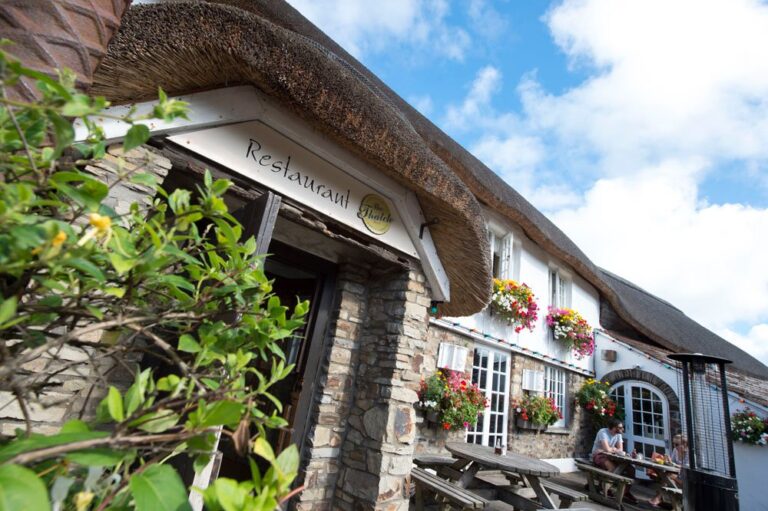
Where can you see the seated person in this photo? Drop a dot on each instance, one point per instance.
(678, 458)
(609, 440)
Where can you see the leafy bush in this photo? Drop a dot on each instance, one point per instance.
(538, 410)
(515, 303)
(171, 280)
(457, 402)
(570, 328)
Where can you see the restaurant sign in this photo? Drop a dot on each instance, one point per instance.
(258, 152)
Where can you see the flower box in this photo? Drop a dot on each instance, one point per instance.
(524, 424)
(514, 303)
(570, 328)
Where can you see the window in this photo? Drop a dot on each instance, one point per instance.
(502, 254)
(559, 289)
(555, 388)
(490, 371)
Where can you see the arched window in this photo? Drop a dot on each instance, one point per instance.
(646, 416)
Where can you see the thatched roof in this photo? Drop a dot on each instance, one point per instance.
(657, 319)
(191, 46)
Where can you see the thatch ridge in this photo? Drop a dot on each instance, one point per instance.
(190, 46)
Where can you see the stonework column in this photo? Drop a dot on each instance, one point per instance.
(377, 451)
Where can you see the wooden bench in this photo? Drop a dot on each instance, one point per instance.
(567, 495)
(675, 496)
(445, 491)
(599, 481)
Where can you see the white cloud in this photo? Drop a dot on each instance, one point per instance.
(755, 342)
(422, 103)
(477, 101)
(674, 78)
(651, 228)
(374, 26)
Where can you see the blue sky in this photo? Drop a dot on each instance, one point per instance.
(639, 127)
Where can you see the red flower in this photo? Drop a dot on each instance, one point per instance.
(446, 425)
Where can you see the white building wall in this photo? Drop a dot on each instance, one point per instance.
(531, 266)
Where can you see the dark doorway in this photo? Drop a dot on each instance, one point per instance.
(296, 276)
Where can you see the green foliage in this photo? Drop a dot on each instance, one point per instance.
(170, 280)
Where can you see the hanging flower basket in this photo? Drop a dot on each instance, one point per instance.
(748, 428)
(594, 399)
(450, 401)
(515, 303)
(535, 412)
(570, 328)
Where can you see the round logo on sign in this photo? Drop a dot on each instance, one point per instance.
(375, 214)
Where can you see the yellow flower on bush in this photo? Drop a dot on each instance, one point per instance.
(100, 222)
(59, 239)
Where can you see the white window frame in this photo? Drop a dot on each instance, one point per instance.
(556, 387)
(502, 245)
(560, 288)
(483, 427)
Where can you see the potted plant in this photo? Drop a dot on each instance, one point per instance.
(536, 412)
(515, 303)
(450, 401)
(748, 428)
(594, 399)
(570, 328)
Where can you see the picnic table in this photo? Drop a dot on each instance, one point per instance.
(475, 457)
(664, 471)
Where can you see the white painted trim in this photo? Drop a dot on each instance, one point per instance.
(479, 338)
(207, 109)
(245, 103)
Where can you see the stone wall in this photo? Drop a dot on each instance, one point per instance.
(573, 440)
(363, 432)
(79, 382)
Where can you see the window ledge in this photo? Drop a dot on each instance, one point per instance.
(557, 431)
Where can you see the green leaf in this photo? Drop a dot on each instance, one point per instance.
(121, 264)
(98, 457)
(20, 488)
(159, 488)
(95, 312)
(119, 292)
(156, 422)
(188, 344)
(288, 461)
(78, 106)
(144, 178)
(222, 413)
(86, 266)
(8, 309)
(262, 448)
(115, 405)
(63, 131)
(137, 135)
